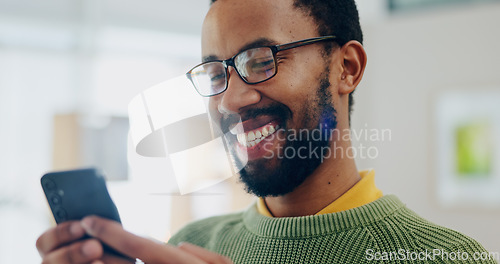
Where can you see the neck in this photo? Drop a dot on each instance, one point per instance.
(329, 181)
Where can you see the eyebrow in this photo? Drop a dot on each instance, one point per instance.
(261, 42)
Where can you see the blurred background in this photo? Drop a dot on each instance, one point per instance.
(69, 68)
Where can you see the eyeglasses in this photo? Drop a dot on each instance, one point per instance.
(253, 65)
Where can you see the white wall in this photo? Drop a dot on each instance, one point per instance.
(32, 85)
(412, 57)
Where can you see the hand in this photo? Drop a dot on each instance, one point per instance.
(54, 247)
(64, 244)
(112, 234)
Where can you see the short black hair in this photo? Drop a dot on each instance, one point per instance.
(334, 17)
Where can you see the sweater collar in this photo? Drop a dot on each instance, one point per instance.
(318, 225)
(363, 192)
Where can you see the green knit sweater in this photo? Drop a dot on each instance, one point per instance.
(384, 231)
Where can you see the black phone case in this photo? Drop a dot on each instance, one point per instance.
(74, 194)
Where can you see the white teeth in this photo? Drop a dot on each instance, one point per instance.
(253, 138)
(265, 132)
(271, 129)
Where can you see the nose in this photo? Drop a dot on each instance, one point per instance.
(238, 95)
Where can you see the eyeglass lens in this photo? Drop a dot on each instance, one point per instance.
(253, 66)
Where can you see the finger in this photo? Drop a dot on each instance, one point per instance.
(203, 254)
(59, 236)
(112, 234)
(79, 252)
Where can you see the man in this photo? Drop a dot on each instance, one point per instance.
(285, 69)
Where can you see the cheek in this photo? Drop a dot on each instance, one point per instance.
(303, 72)
(309, 113)
(302, 94)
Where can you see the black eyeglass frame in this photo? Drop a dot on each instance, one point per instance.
(274, 48)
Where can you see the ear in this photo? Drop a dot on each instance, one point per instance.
(353, 57)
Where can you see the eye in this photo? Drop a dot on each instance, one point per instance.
(255, 65)
(261, 65)
(264, 65)
(217, 78)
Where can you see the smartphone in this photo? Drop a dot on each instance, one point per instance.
(74, 194)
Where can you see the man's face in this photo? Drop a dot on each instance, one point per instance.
(299, 97)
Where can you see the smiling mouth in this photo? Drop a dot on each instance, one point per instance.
(253, 137)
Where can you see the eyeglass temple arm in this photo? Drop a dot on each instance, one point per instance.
(304, 42)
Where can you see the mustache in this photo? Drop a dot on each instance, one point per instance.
(276, 109)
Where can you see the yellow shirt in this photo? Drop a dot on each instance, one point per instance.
(363, 192)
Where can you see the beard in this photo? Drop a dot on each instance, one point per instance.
(263, 179)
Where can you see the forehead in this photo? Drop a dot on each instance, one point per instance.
(230, 25)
